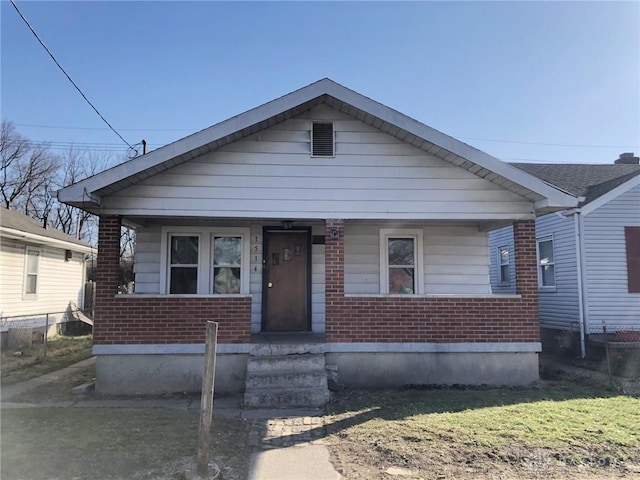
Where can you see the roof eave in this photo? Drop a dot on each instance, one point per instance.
(44, 240)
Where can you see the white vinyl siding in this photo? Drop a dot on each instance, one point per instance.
(60, 282)
(147, 260)
(608, 298)
(271, 174)
(559, 307)
(455, 259)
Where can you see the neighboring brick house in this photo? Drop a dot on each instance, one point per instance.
(325, 214)
(589, 256)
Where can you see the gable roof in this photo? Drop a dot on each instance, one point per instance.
(582, 180)
(86, 194)
(19, 226)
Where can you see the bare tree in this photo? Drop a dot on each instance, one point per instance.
(25, 172)
(30, 176)
(76, 165)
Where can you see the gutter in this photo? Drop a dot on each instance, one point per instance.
(579, 274)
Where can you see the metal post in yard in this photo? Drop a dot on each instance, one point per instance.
(46, 332)
(606, 349)
(206, 403)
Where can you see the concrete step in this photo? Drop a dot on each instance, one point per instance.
(281, 349)
(287, 398)
(279, 364)
(263, 380)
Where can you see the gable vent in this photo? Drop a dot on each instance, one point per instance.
(322, 140)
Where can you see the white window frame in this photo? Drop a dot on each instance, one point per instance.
(245, 258)
(417, 236)
(541, 286)
(170, 265)
(25, 294)
(205, 257)
(500, 263)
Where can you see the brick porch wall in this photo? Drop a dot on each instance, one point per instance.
(439, 320)
(131, 319)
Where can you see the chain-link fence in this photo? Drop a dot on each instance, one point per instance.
(33, 330)
(616, 349)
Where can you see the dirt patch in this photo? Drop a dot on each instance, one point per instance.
(110, 444)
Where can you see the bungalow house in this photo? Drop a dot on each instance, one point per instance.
(588, 257)
(43, 271)
(319, 228)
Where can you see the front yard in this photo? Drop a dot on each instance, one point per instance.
(560, 430)
(24, 363)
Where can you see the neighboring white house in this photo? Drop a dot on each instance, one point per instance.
(588, 257)
(42, 271)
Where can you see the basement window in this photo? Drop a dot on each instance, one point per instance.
(322, 140)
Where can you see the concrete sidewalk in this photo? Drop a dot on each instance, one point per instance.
(289, 441)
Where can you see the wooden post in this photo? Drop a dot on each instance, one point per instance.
(206, 403)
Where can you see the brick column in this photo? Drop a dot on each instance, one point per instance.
(524, 236)
(108, 261)
(334, 274)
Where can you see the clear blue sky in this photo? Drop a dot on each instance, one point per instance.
(490, 74)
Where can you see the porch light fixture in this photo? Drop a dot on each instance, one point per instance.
(287, 224)
(335, 234)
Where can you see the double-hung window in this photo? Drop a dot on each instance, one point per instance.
(183, 264)
(401, 261)
(31, 271)
(227, 264)
(503, 262)
(546, 264)
(205, 261)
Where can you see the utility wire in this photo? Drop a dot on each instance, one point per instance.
(519, 142)
(68, 77)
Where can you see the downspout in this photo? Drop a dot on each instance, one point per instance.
(580, 275)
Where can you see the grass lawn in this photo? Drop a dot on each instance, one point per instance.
(561, 430)
(61, 352)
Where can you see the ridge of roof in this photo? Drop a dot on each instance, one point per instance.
(23, 223)
(589, 181)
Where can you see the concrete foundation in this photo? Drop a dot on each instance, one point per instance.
(168, 373)
(367, 370)
(155, 374)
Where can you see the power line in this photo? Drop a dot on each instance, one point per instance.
(549, 144)
(519, 142)
(68, 77)
(102, 129)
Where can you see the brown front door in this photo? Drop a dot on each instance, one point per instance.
(286, 281)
